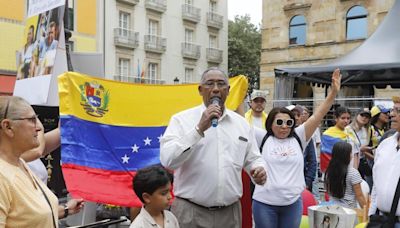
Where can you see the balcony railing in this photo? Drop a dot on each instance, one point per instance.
(126, 38)
(129, 2)
(155, 43)
(215, 20)
(214, 55)
(190, 13)
(190, 50)
(138, 80)
(156, 5)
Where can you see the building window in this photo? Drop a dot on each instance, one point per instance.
(356, 23)
(123, 66)
(152, 71)
(297, 30)
(189, 2)
(213, 42)
(70, 25)
(153, 27)
(189, 78)
(188, 36)
(124, 24)
(213, 6)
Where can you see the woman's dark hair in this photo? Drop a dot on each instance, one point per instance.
(335, 178)
(375, 119)
(149, 179)
(271, 117)
(341, 110)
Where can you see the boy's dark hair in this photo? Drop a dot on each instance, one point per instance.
(149, 179)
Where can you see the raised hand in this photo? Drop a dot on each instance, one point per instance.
(336, 80)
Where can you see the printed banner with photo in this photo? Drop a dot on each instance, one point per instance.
(43, 46)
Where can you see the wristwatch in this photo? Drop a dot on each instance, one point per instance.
(66, 210)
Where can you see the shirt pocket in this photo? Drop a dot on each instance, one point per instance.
(237, 153)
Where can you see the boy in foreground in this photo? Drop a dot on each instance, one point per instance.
(153, 187)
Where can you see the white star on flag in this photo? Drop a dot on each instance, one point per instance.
(125, 159)
(159, 138)
(147, 141)
(135, 148)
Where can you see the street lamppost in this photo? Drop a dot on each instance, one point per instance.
(176, 80)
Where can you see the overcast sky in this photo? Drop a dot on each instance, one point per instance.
(242, 7)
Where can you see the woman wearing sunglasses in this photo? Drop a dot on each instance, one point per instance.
(278, 202)
(25, 201)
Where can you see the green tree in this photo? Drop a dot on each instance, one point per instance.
(244, 50)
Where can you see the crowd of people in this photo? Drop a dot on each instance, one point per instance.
(206, 148)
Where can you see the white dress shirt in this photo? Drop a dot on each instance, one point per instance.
(386, 173)
(208, 170)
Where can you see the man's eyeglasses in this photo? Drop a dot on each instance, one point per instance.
(281, 122)
(6, 109)
(395, 110)
(32, 119)
(211, 84)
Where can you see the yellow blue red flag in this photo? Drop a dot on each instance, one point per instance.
(110, 129)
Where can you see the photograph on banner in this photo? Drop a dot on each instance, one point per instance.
(40, 42)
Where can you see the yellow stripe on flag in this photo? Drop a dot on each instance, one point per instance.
(127, 104)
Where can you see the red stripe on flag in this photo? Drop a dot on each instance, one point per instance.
(100, 186)
(325, 159)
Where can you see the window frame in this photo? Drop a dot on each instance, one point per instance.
(297, 25)
(357, 17)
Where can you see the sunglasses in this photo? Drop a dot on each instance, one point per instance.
(281, 122)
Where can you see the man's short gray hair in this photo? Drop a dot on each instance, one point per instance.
(213, 69)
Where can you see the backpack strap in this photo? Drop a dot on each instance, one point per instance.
(298, 140)
(266, 136)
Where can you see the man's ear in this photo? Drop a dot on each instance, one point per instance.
(146, 198)
(5, 124)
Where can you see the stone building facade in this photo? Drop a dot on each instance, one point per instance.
(326, 37)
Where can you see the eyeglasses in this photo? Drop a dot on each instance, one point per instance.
(281, 122)
(6, 110)
(395, 110)
(211, 84)
(32, 119)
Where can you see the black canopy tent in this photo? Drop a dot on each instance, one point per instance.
(375, 62)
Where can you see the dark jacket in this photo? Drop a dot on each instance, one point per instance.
(310, 164)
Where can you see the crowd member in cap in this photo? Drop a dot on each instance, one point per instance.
(256, 114)
(208, 161)
(25, 201)
(386, 170)
(310, 160)
(361, 135)
(379, 122)
(278, 202)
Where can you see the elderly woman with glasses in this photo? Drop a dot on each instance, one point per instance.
(278, 202)
(25, 201)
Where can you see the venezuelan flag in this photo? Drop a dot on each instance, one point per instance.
(110, 129)
(331, 136)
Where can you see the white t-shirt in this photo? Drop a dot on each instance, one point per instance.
(257, 121)
(285, 169)
(39, 169)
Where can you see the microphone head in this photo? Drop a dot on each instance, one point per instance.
(216, 100)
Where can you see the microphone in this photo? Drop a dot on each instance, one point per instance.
(214, 120)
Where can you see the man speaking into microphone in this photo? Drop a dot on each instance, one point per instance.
(208, 146)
